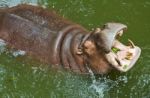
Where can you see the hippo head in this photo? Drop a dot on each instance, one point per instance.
(104, 51)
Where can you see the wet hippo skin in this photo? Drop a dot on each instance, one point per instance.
(54, 40)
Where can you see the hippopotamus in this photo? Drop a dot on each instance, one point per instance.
(56, 41)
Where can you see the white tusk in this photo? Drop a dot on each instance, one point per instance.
(120, 33)
(131, 43)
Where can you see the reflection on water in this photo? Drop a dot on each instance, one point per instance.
(21, 78)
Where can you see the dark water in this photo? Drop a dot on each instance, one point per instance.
(20, 78)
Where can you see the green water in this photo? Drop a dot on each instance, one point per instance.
(20, 78)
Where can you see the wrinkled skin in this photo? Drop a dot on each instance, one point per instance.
(53, 40)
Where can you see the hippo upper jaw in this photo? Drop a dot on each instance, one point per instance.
(120, 56)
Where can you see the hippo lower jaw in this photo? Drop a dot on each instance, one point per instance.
(123, 57)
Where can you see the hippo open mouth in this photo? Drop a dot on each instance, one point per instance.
(121, 57)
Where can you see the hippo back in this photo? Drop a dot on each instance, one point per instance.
(42, 34)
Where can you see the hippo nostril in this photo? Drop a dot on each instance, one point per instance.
(105, 26)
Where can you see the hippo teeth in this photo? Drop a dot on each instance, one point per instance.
(120, 33)
(131, 43)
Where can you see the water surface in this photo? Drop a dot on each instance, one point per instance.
(21, 78)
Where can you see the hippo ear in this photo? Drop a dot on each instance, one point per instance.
(96, 31)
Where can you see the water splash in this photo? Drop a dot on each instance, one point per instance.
(103, 85)
(2, 46)
(14, 53)
(98, 87)
(18, 53)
